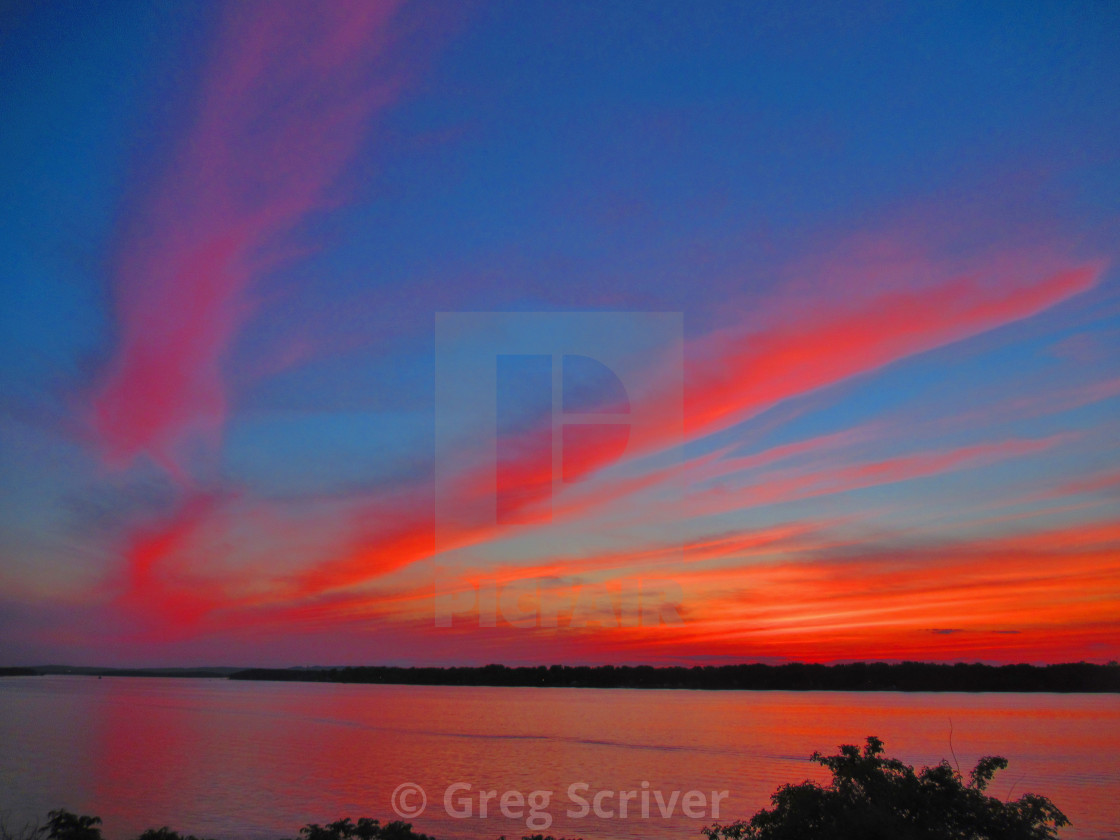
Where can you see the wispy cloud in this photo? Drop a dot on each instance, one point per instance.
(284, 104)
(733, 374)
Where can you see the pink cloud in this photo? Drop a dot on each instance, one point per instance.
(733, 374)
(818, 350)
(789, 485)
(283, 106)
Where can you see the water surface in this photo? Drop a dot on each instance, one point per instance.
(233, 760)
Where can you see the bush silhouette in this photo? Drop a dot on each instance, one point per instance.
(364, 829)
(164, 833)
(875, 798)
(62, 825)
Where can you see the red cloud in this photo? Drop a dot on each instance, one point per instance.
(732, 375)
(283, 107)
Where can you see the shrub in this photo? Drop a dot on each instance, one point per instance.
(872, 797)
(364, 829)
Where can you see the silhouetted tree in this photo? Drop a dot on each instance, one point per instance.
(875, 798)
(364, 829)
(62, 825)
(164, 833)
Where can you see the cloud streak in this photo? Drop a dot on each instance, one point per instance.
(733, 375)
(283, 107)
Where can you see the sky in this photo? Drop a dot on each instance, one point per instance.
(528, 332)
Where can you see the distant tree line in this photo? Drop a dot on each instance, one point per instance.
(96, 671)
(856, 676)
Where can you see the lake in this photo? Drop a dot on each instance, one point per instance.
(232, 759)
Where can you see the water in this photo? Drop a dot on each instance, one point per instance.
(234, 760)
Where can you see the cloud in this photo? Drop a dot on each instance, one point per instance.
(399, 533)
(283, 106)
(734, 374)
(793, 484)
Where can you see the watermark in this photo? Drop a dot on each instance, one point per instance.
(546, 425)
(551, 602)
(409, 800)
(464, 801)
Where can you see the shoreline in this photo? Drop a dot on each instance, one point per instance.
(905, 677)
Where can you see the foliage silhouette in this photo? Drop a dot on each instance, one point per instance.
(62, 825)
(875, 798)
(364, 829)
(164, 833)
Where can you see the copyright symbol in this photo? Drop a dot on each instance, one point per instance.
(404, 800)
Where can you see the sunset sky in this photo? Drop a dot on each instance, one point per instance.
(859, 265)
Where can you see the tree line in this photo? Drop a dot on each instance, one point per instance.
(855, 676)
